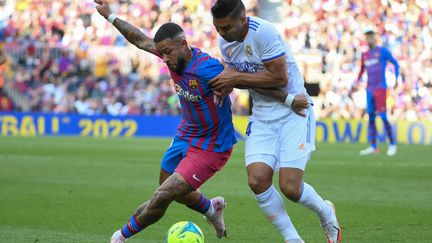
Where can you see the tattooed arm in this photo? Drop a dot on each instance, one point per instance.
(130, 32)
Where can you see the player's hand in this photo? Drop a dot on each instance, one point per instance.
(224, 81)
(218, 100)
(299, 104)
(219, 95)
(397, 82)
(354, 87)
(103, 8)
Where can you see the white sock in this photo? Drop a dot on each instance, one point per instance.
(210, 212)
(273, 207)
(311, 200)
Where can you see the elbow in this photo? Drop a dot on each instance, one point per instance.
(282, 82)
(282, 79)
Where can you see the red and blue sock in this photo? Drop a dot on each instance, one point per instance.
(131, 228)
(372, 130)
(203, 206)
(388, 127)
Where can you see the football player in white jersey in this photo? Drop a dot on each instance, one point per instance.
(276, 136)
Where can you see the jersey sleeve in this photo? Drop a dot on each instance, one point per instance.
(209, 69)
(362, 68)
(269, 43)
(388, 56)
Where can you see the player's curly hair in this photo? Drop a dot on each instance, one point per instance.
(231, 8)
(168, 31)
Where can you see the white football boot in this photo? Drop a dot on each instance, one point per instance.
(369, 150)
(392, 149)
(331, 228)
(217, 220)
(117, 237)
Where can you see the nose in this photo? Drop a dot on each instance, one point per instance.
(221, 32)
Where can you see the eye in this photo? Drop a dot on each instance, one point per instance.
(226, 28)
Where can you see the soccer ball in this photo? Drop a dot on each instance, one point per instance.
(185, 232)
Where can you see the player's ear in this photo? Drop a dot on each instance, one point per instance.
(243, 19)
(184, 43)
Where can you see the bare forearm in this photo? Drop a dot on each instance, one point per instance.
(275, 93)
(134, 35)
(262, 79)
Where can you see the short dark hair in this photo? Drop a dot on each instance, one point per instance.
(231, 8)
(370, 32)
(167, 31)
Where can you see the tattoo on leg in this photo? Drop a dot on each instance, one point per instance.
(171, 189)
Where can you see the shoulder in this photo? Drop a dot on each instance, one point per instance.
(202, 59)
(260, 26)
(385, 50)
(205, 65)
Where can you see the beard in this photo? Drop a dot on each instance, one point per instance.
(180, 64)
(228, 39)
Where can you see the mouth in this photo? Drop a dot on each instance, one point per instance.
(227, 38)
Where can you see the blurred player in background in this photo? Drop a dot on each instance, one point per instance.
(276, 137)
(374, 61)
(205, 137)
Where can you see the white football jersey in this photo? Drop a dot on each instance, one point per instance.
(263, 43)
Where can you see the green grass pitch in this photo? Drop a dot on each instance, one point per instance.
(59, 189)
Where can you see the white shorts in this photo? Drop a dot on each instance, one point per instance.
(286, 142)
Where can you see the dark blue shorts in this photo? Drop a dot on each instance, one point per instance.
(175, 153)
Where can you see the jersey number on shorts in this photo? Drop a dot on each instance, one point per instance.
(248, 129)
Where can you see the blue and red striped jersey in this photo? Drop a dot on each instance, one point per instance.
(375, 62)
(204, 125)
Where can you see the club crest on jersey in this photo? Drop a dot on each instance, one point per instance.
(186, 94)
(248, 51)
(193, 84)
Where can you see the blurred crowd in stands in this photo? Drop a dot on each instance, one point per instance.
(63, 57)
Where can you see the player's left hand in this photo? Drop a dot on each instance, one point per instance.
(299, 104)
(103, 8)
(224, 81)
(219, 95)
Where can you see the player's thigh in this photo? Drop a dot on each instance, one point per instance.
(199, 165)
(261, 144)
(370, 102)
(380, 100)
(163, 175)
(297, 138)
(293, 176)
(172, 157)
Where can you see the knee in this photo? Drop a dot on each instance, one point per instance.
(259, 184)
(291, 190)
